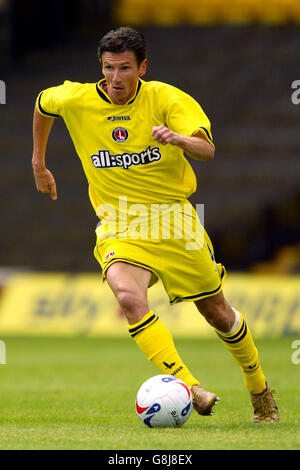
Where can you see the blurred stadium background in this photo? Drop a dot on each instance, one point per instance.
(239, 59)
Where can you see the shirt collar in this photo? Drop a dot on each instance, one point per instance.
(106, 98)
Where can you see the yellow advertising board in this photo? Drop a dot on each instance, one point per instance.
(176, 12)
(66, 305)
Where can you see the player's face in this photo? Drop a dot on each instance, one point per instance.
(121, 72)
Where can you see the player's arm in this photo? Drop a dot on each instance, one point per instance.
(44, 179)
(196, 146)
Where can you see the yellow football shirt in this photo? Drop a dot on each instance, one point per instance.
(115, 144)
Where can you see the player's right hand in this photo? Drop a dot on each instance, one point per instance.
(45, 182)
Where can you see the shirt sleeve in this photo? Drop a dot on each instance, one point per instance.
(50, 101)
(185, 116)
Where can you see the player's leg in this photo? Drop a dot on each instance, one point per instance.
(129, 284)
(235, 334)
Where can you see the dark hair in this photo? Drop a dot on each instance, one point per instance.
(121, 40)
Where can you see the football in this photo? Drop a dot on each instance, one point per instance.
(164, 401)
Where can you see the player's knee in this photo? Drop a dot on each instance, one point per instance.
(126, 299)
(130, 302)
(219, 315)
(223, 320)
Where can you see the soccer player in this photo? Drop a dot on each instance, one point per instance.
(133, 138)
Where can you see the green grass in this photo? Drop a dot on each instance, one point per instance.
(79, 394)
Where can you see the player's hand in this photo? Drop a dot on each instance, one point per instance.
(164, 136)
(45, 182)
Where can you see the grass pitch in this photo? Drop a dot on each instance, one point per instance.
(79, 393)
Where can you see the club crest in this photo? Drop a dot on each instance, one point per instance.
(120, 134)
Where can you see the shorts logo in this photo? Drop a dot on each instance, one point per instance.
(120, 134)
(109, 255)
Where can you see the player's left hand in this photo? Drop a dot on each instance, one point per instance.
(164, 136)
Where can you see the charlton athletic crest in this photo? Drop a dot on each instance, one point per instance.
(120, 134)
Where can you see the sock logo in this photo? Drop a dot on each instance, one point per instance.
(169, 366)
(177, 370)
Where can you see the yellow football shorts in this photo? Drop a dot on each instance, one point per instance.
(171, 243)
